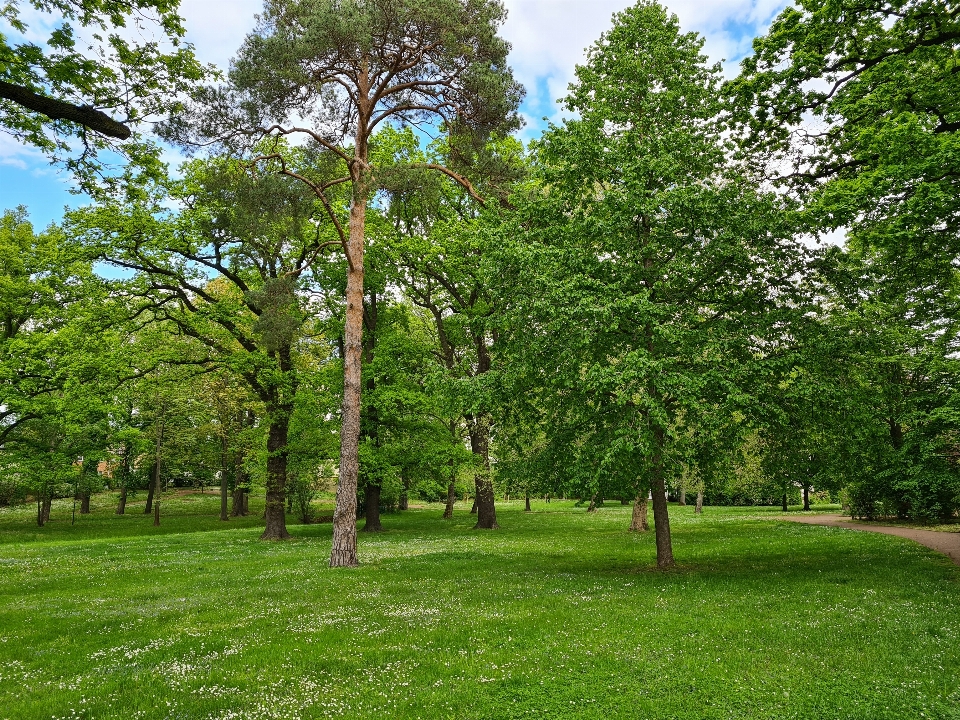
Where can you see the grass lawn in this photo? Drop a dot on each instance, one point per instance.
(559, 614)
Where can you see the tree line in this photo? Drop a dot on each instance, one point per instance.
(361, 268)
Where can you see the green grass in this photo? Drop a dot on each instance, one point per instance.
(560, 614)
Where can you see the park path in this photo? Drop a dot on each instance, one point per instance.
(947, 543)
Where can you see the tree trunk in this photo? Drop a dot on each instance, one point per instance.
(245, 499)
(526, 503)
(151, 486)
(371, 509)
(661, 517)
(638, 523)
(784, 502)
(84, 502)
(274, 512)
(698, 509)
(122, 502)
(806, 496)
(592, 507)
(683, 497)
(473, 508)
(484, 501)
(404, 502)
(224, 516)
(39, 511)
(451, 498)
(156, 514)
(343, 552)
(47, 502)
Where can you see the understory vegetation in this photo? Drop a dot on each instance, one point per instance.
(560, 615)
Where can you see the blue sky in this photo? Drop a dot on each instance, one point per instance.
(548, 36)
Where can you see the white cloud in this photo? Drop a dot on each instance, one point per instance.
(550, 37)
(216, 29)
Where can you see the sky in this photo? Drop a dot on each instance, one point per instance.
(549, 38)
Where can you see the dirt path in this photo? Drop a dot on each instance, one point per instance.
(946, 542)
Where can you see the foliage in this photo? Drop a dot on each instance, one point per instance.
(57, 95)
(643, 271)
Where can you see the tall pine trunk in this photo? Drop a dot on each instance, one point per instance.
(343, 551)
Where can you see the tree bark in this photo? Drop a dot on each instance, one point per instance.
(151, 486)
(274, 511)
(371, 509)
(39, 511)
(84, 502)
(451, 497)
(224, 516)
(122, 502)
(699, 506)
(683, 497)
(784, 502)
(806, 496)
(484, 501)
(47, 502)
(592, 507)
(61, 110)
(526, 503)
(343, 552)
(661, 517)
(638, 523)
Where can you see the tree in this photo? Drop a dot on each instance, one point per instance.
(52, 95)
(856, 106)
(439, 245)
(646, 267)
(229, 271)
(349, 67)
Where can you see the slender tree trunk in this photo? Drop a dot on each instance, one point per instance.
(485, 503)
(47, 502)
(784, 501)
(84, 502)
(699, 506)
(274, 512)
(371, 509)
(526, 502)
(473, 508)
(122, 502)
(638, 523)
(224, 516)
(592, 507)
(806, 496)
(343, 552)
(683, 497)
(404, 502)
(661, 517)
(151, 487)
(245, 499)
(451, 498)
(39, 511)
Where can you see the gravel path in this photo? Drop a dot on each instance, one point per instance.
(946, 542)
